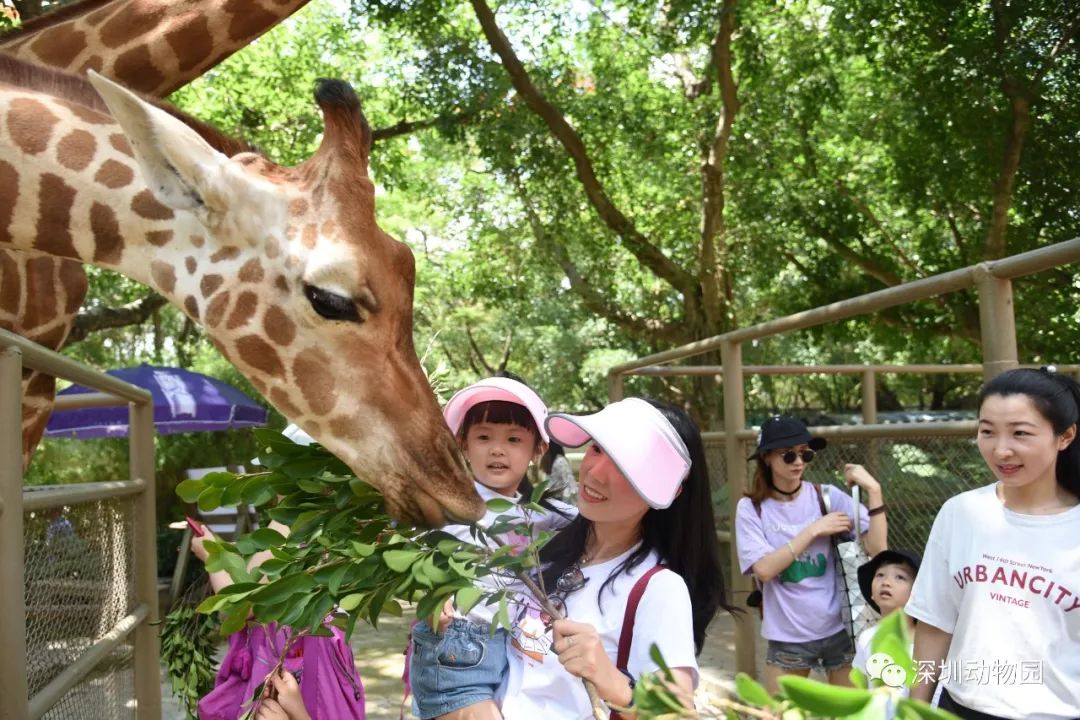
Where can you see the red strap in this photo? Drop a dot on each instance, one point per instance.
(627, 635)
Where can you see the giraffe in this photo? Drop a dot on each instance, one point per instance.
(152, 46)
(285, 268)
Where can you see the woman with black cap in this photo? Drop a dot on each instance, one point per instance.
(784, 531)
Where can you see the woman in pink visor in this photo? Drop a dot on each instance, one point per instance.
(639, 565)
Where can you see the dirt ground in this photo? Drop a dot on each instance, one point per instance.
(380, 659)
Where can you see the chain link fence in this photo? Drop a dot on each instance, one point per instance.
(80, 582)
(917, 472)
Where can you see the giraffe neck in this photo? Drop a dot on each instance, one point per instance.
(153, 46)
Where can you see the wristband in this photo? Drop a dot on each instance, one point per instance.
(791, 548)
(876, 511)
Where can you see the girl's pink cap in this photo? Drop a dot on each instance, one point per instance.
(495, 388)
(639, 440)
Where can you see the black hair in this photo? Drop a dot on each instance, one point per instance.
(554, 450)
(1057, 398)
(683, 535)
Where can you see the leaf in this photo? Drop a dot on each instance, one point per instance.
(189, 490)
(210, 499)
(282, 588)
(466, 598)
(266, 537)
(499, 505)
(822, 699)
(921, 710)
(400, 560)
(334, 583)
(752, 692)
(350, 602)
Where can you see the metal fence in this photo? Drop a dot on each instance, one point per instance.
(78, 595)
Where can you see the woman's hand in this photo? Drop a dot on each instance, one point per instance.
(831, 524)
(582, 653)
(858, 475)
(446, 615)
(198, 549)
(281, 699)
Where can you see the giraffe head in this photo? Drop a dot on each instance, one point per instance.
(298, 286)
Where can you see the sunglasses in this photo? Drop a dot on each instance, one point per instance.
(572, 579)
(790, 456)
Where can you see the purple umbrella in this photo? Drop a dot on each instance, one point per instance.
(184, 401)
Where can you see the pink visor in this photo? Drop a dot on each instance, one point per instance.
(495, 388)
(639, 440)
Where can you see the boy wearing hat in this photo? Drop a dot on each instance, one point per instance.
(885, 582)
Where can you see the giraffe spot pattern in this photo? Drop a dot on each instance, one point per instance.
(86, 114)
(114, 175)
(137, 64)
(191, 305)
(345, 428)
(282, 284)
(133, 20)
(10, 283)
(121, 144)
(54, 219)
(9, 194)
(197, 241)
(244, 309)
(60, 46)
(316, 387)
(94, 62)
(76, 149)
(146, 205)
(261, 355)
(311, 232)
(159, 238)
(272, 249)
(248, 19)
(252, 271)
(279, 327)
(73, 280)
(95, 18)
(209, 284)
(40, 292)
(216, 310)
(108, 243)
(164, 276)
(297, 206)
(30, 124)
(229, 252)
(282, 402)
(191, 43)
(190, 264)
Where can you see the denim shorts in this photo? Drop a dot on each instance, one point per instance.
(463, 666)
(831, 653)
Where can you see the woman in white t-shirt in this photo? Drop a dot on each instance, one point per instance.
(643, 501)
(998, 594)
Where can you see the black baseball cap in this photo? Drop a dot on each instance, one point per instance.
(781, 431)
(886, 557)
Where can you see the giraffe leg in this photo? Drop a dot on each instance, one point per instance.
(39, 299)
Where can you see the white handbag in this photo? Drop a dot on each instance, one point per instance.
(850, 554)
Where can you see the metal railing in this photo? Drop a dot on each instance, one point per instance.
(993, 283)
(78, 600)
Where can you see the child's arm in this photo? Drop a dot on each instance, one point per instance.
(286, 703)
(218, 579)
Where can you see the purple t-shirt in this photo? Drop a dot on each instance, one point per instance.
(802, 603)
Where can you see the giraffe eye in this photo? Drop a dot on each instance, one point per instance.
(331, 305)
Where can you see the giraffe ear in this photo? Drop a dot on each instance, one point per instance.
(180, 168)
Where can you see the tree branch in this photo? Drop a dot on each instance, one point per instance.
(104, 318)
(647, 253)
(476, 350)
(716, 302)
(592, 299)
(869, 215)
(406, 127)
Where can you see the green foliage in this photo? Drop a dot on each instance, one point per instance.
(188, 645)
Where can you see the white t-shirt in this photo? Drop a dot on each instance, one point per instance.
(539, 686)
(1007, 587)
(481, 613)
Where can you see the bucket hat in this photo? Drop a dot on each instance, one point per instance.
(782, 431)
(495, 388)
(640, 441)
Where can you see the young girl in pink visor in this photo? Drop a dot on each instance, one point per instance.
(639, 565)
